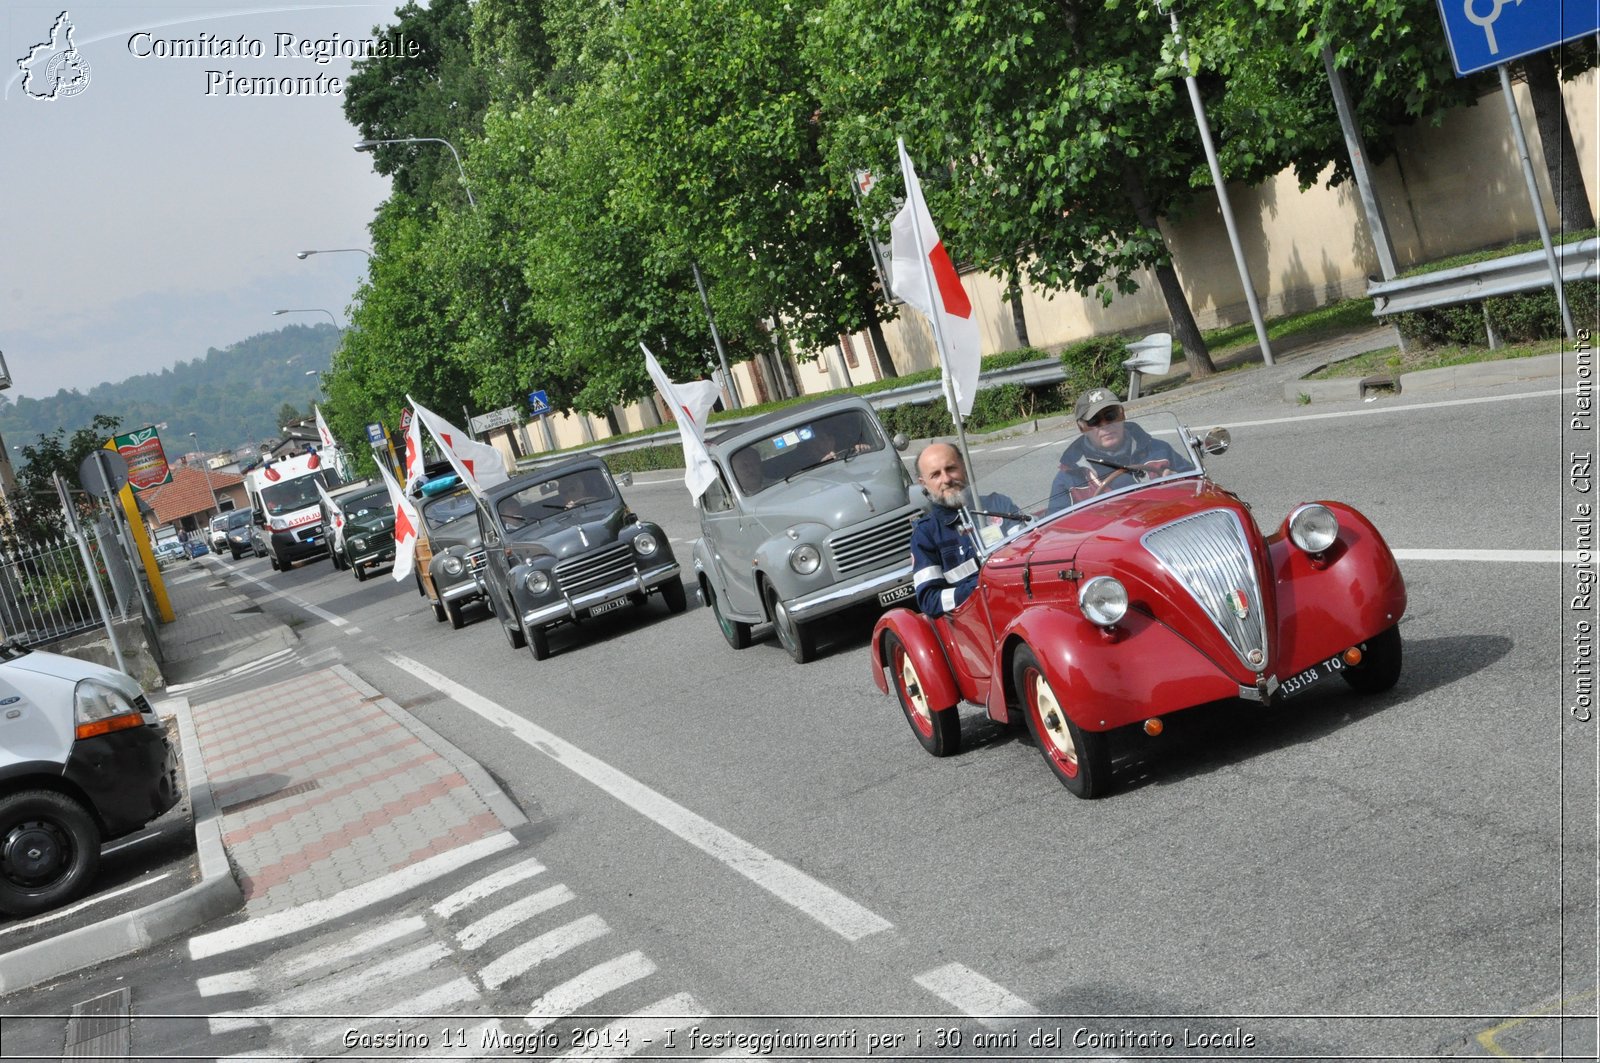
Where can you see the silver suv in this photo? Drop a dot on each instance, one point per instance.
(808, 517)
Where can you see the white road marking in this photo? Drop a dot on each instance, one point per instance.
(433, 1002)
(350, 947)
(228, 982)
(507, 876)
(317, 996)
(548, 946)
(625, 1037)
(826, 905)
(128, 843)
(327, 909)
(1407, 408)
(475, 935)
(270, 660)
(316, 611)
(573, 994)
(81, 905)
(972, 994)
(1569, 557)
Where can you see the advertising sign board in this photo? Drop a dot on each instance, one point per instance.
(147, 462)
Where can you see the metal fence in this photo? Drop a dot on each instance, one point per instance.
(45, 593)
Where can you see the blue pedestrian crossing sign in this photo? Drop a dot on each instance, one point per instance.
(1486, 33)
(538, 403)
(375, 433)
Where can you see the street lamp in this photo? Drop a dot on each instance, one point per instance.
(368, 145)
(195, 442)
(303, 255)
(310, 310)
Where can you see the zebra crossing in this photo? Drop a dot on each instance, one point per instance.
(510, 961)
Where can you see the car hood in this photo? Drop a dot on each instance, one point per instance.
(368, 527)
(839, 495)
(73, 670)
(574, 532)
(1105, 539)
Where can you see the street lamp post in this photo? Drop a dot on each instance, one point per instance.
(302, 255)
(195, 442)
(368, 145)
(310, 310)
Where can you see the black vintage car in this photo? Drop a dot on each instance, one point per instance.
(368, 539)
(562, 546)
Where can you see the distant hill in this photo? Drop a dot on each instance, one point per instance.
(228, 398)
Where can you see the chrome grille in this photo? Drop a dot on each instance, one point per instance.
(1210, 556)
(476, 560)
(887, 542)
(578, 574)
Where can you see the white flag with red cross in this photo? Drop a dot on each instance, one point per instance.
(689, 402)
(415, 472)
(925, 277)
(406, 524)
(479, 465)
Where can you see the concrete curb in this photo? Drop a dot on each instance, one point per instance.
(505, 810)
(216, 894)
(1426, 381)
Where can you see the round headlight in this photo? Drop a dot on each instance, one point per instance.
(452, 566)
(536, 581)
(1313, 528)
(358, 543)
(805, 559)
(1103, 600)
(646, 544)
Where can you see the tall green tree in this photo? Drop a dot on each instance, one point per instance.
(36, 509)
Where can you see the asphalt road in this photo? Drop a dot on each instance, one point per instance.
(1337, 876)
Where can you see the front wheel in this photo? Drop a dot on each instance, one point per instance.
(673, 594)
(272, 559)
(438, 612)
(1380, 663)
(49, 850)
(939, 730)
(1080, 759)
(360, 571)
(235, 552)
(539, 643)
(452, 610)
(736, 633)
(514, 633)
(799, 639)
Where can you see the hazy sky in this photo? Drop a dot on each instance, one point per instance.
(149, 213)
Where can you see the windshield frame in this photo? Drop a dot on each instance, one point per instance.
(775, 450)
(532, 504)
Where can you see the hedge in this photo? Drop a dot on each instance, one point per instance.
(1518, 318)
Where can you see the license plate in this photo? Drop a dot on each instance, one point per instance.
(897, 594)
(606, 607)
(1299, 683)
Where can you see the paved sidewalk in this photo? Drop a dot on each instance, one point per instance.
(312, 797)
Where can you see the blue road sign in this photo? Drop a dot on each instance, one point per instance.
(1485, 33)
(375, 433)
(538, 403)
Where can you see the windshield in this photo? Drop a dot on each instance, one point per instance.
(289, 495)
(367, 506)
(802, 447)
(441, 511)
(547, 497)
(1132, 454)
(239, 518)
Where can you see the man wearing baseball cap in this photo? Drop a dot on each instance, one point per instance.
(1105, 449)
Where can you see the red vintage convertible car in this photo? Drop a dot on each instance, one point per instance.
(1145, 593)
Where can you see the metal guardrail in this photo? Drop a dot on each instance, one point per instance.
(1498, 276)
(1029, 374)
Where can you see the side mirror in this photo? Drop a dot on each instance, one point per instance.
(626, 479)
(258, 519)
(1216, 441)
(900, 442)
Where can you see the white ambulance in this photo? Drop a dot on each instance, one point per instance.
(287, 508)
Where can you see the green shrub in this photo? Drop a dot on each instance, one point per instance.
(1519, 318)
(1094, 363)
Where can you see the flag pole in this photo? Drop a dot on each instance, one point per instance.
(938, 329)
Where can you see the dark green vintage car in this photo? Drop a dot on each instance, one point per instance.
(368, 531)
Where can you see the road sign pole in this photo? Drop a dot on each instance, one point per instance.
(1533, 197)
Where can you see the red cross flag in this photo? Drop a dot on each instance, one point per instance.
(689, 402)
(479, 465)
(335, 514)
(405, 527)
(322, 429)
(925, 277)
(414, 470)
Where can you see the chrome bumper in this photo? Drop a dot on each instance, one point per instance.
(567, 608)
(468, 588)
(848, 592)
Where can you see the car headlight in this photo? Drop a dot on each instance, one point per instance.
(1103, 600)
(805, 559)
(99, 709)
(452, 566)
(1313, 528)
(646, 544)
(536, 581)
(358, 543)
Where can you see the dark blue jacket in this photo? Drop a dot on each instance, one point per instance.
(944, 563)
(1138, 448)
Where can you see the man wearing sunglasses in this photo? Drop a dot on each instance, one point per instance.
(1106, 448)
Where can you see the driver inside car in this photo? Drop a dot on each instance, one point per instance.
(944, 562)
(1108, 452)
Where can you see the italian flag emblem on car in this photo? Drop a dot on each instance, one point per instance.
(1239, 603)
